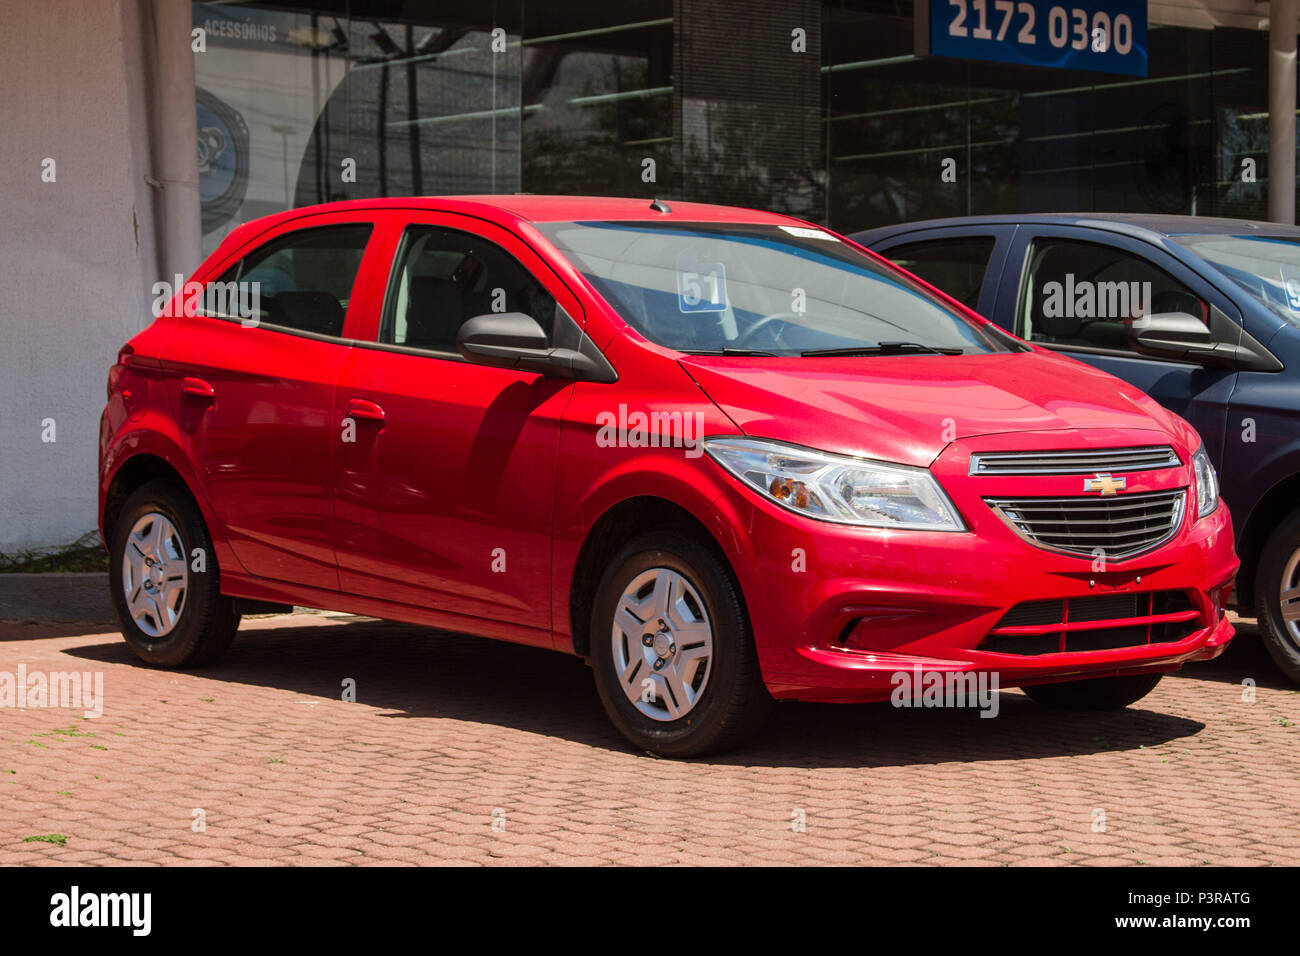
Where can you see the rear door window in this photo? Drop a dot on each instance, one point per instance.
(301, 280)
(955, 265)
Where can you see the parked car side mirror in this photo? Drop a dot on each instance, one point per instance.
(1223, 344)
(515, 340)
(1171, 335)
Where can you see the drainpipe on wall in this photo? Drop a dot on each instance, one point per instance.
(1281, 110)
(173, 134)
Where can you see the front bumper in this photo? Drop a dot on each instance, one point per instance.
(837, 611)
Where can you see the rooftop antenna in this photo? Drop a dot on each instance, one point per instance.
(659, 205)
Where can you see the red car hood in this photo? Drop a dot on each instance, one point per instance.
(908, 408)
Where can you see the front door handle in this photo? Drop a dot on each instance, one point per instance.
(363, 410)
(197, 388)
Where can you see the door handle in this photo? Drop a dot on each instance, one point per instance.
(363, 410)
(197, 388)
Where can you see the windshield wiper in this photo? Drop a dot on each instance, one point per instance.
(728, 351)
(885, 348)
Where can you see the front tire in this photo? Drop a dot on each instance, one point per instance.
(671, 649)
(169, 606)
(1277, 596)
(1098, 693)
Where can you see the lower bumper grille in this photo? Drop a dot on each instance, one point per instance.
(1120, 527)
(1094, 623)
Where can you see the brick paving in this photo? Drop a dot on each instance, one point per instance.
(466, 751)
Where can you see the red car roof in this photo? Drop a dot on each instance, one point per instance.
(504, 208)
(562, 208)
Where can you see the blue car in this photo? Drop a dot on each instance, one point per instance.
(1202, 314)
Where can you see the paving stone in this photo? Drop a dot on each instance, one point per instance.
(453, 737)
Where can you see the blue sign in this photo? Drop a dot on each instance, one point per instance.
(1105, 36)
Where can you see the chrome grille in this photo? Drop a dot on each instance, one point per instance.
(1086, 462)
(1120, 527)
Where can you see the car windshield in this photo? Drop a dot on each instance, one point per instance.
(1267, 267)
(719, 288)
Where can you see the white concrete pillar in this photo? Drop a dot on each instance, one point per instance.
(173, 133)
(1281, 110)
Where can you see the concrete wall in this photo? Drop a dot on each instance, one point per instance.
(77, 255)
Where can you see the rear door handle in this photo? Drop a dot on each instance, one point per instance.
(361, 409)
(197, 388)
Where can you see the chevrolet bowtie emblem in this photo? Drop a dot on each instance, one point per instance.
(1104, 483)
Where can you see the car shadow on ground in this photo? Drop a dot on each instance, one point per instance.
(420, 673)
(1245, 658)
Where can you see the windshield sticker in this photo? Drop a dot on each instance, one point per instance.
(803, 232)
(701, 286)
(1291, 282)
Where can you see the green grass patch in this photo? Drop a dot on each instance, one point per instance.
(61, 732)
(84, 554)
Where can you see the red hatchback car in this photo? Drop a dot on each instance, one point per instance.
(724, 455)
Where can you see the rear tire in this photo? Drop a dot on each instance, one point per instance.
(171, 614)
(1278, 574)
(707, 694)
(1098, 693)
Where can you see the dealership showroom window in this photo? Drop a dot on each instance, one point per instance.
(654, 97)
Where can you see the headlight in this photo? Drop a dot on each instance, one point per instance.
(1207, 483)
(838, 488)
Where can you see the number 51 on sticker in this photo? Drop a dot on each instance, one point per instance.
(701, 286)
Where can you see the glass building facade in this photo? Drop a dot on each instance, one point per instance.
(818, 109)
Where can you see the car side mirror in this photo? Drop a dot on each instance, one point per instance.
(500, 335)
(1171, 335)
(515, 340)
(1224, 344)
